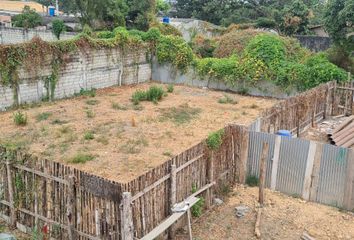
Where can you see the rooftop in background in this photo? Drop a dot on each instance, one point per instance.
(17, 6)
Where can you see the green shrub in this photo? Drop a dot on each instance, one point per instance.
(105, 34)
(252, 181)
(203, 47)
(267, 48)
(197, 208)
(58, 27)
(81, 158)
(154, 94)
(138, 96)
(220, 69)
(20, 118)
(153, 35)
(170, 88)
(92, 102)
(117, 106)
(174, 50)
(265, 23)
(214, 140)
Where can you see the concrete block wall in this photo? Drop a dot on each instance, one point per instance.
(95, 69)
(20, 35)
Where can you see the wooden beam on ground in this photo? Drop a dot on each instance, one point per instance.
(308, 171)
(262, 174)
(257, 228)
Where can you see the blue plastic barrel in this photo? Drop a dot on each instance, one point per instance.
(51, 10)
(284, 133)
(166, 20)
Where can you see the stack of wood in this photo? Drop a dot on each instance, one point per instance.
(343, 135)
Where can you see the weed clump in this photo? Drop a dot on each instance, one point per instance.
(154, 94)
(87, 93)
(197, 208)
(89, 135)
(227, 100)
(214, 140)
(92, 102)
(20, 118)
(117, 106)
(90, 114)
(81, 158)
(43, 116)
(180, 115)
(252, 180)
(170, 88)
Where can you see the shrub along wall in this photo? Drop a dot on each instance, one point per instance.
(39, 70)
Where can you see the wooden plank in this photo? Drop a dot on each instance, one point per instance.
(275, 163)
(169, 221)
(41, 174)
(127, 227)
(308, 171)
(346, 88)
(189, 163)
(262, 174)
(149, 188)
(316, 173)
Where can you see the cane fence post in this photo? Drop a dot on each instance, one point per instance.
(127, 227)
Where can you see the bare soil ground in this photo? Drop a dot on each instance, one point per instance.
(119, 140)
(283, 217)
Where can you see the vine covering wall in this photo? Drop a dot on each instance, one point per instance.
(41, 70)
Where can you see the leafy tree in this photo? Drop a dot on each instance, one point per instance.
(29, 18)
(296, 18)
(110, 12)
(339, 22)
(162, 6)
(140, 13)
(58, 27)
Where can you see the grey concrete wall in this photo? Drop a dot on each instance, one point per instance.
(96, 69)
(167, 74)
(315, 43)
(20, 35)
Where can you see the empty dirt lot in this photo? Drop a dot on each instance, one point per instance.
(119, 140)
(283, 217)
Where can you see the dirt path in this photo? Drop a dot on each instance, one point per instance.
(283, 218)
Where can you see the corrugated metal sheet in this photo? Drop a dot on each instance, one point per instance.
(292, 165)
(332, 175)
(254, 154)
